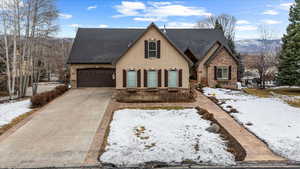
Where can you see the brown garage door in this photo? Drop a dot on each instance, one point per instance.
(101, 77)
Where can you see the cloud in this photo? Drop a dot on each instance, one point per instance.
(103, 26)
(65, 16)
(75, 25)
(181, 25)
(270, 12)
(149, 19)
(128, 8)
(242, 22)
(286, 6)
(157, 11)
(271, 22)
(246, 28)
(91, 7)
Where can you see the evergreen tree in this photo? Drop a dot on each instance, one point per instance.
(289, 59)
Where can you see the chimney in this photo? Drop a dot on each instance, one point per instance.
(164, 31)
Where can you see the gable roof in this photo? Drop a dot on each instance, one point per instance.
(103, 45)
(163, 35)
(211, 58)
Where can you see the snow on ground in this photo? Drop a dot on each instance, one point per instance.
(274, 121)
(9, 111)
(283, 87)
(171, 136)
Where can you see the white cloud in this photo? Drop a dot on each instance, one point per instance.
(285, 6)
(149, 19)
(157, 11)
(65, 16)
(242, 22)
(128, 8)
(91, 7)
(271, 22)
(75, 25)
(103, 26)
(181, 25)
(246, 28)
(270, 12)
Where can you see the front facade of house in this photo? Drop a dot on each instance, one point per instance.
(148, 59)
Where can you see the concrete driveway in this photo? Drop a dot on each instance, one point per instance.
(60, 134)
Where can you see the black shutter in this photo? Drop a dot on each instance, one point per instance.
(124, 78)
(229, 73)
(146, 49)
(215, 72)
(158, 49)
(159, 78)
(145, 78)
(139, 78)
(180, 78)
(166, 78)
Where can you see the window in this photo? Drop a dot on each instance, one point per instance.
(172, 78)
(222, 73)
(152, 79)
(131, 79)
(152, 49)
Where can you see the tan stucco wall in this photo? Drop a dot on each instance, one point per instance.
(75, 67)
(134, 59)
(223, 58)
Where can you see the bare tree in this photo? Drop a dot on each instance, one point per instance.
(24, 24)
(267, 58)
(224, 22)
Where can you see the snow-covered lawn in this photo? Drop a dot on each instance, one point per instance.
(271, 119)
(172, 136)
(9, 111)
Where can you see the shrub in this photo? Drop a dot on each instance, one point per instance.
(218, 86)
(43, 98)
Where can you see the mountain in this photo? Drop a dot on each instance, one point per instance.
(254, 46)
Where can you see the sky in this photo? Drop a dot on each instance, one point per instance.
(250, 14)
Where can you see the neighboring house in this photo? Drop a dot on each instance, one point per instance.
(150, 58)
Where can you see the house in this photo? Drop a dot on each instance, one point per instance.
(151, 58)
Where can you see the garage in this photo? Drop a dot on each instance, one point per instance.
(96, 77)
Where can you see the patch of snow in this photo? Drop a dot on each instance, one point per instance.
(9, 111)
(171, 136)
(282, 87)
(274, 121)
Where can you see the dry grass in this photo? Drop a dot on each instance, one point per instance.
(284, 91)
(15, 121)
(3, 93)
(258, 92)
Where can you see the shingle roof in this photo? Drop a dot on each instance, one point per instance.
(98, 45)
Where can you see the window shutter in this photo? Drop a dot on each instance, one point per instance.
(215, 72)
(180, 78)
(166, 78)
(158, 49)
(159, 78)
(124, 78)
(146, 49)
(139, 78)
(229, 73)
(145, 78)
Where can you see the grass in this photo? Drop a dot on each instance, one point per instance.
(283, 91)
(3, 93)
(15, 121)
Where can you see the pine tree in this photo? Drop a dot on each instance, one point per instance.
(289, 59)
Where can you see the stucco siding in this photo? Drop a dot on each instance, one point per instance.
(134, 59)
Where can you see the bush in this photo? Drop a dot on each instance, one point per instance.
(218, 86)
(45, 97)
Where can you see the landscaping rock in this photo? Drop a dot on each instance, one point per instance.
(214, 128)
